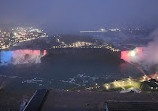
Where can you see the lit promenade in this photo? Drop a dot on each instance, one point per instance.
(129, 82)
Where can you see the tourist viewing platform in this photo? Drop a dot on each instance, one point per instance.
(57, 100)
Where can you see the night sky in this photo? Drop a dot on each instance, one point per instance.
(76, 15)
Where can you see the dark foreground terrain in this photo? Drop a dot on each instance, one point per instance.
(60, 100)
(12, 100)
(98, 101)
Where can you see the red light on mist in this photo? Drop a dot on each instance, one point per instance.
(139, 49)
(125, 55)
(154, 76)
(45, 52)
(37, 52)
(130, 57)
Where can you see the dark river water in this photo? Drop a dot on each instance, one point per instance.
(26, 69)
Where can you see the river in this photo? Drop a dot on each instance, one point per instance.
(25, 69)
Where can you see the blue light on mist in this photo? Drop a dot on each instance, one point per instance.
(6, 56)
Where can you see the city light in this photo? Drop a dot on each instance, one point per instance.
(19, 34)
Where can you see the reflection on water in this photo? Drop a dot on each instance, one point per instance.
(21, 56)
(58, 73)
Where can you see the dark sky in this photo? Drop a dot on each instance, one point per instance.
(75, 15)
